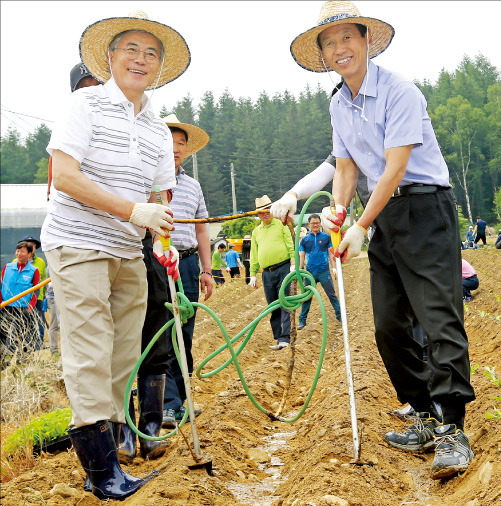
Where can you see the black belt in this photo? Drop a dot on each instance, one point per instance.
(416, 189)
(274, 267)
(183, 253)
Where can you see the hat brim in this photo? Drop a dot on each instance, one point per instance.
(96, 39)
(305, 50)
(197, 138)
(266, 206)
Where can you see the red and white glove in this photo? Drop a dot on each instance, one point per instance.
(351, 245)
(287, 205)
(169, 258)
(253, 282)
(154, 216)
(333, 222)
(228, 269)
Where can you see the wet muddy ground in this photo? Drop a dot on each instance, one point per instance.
(258, 461)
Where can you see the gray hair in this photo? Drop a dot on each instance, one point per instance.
(118, 37)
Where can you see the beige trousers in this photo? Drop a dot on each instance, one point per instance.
(102, 304)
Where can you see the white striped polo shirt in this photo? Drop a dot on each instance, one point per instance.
(124, 154)
(187, 203)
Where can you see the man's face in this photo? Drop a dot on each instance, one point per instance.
(180, 144)
(265, 216)
(87, 81)
(345, 51)
(22, 255)
(137, 74)
(315, 225)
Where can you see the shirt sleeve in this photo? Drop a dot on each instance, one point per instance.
(202, 208)
(338, 148)
(405, 112)
(73, 130)
(301, 245)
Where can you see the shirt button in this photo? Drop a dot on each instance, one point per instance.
(134, 139)
(129, 104)
(369, 153)
(359, 133)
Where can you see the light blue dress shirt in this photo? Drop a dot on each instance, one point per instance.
(396, 116)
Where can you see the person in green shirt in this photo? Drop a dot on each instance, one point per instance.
(272, 250)
(217, 261)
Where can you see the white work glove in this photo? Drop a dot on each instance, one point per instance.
(228, 269)
(334, 273)
(169, 258)
(333, 222)
(286, 205)
(293, 267)
(154, 216)
(253, 282)
(351, 245)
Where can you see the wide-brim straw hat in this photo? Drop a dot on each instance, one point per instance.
(197, 138)
(304, 47)
(96, 39)
(263, 202)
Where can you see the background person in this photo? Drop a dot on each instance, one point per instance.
(18, 276)
(233, 261)
(217, 262)
(470, 238)
(498, 240)
(470, 279)
(479, 231)
(100, 284)
(316, 247)
(246, 247)
(272, 250)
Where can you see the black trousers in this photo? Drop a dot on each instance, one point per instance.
(157, 314)
(415, 267)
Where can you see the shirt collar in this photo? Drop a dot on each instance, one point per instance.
(371, 90)
(117, 96)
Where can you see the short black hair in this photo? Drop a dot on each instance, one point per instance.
(361, 28)
(25, 244)
(221, 246)
(313, 216)
(176, 129)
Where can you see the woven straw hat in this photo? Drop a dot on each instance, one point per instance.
(96, 38)
(263, 203)
(304, 47)
(197, 138)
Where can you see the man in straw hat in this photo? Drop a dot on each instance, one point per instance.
(109, 152)
(272, 249)
(381, 127)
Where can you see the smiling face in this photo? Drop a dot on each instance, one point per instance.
(134, 76)
(315, 225)
(22, 255)
(345, 51)
(265, 216)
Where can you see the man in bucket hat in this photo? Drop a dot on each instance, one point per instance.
(272, 249)
(109, 152)
(381, 127)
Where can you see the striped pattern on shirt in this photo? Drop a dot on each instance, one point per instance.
(187, 203)
(126, 155)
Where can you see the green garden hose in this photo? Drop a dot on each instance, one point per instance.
(291, 302)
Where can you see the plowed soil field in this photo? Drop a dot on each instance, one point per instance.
(258, 461)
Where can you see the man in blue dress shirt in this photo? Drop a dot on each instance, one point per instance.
(380, 126)
(315, 247)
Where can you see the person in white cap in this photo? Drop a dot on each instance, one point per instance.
(109, 152)
(381, 127)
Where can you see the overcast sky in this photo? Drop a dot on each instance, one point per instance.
(239, 45)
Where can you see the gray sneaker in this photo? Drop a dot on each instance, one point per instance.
(418, 436)
(169, 419)
(404, 412)
(453, 453)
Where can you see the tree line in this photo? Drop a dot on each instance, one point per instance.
(275, 140)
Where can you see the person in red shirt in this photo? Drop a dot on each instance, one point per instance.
(17, 277)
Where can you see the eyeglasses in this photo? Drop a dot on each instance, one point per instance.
(132, 53)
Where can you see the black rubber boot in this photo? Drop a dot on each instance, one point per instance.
(128, 442)
(150, 394)
(115, 430)
(95, 447)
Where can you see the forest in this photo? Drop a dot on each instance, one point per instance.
(275, 140)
